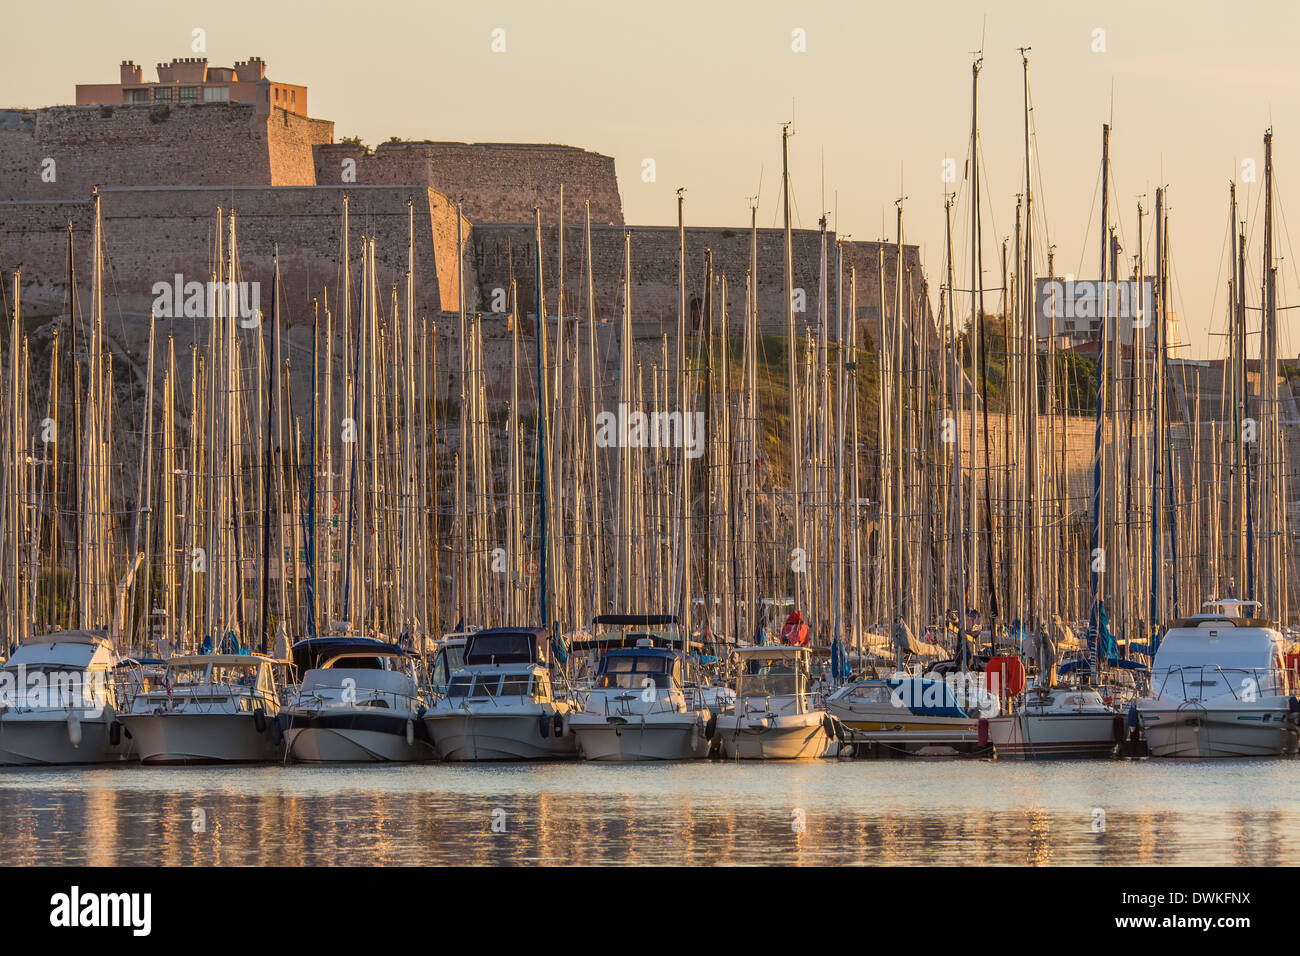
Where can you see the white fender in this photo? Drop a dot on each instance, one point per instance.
(74, 729)
(410, 733)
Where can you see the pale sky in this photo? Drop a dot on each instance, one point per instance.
(880, 97)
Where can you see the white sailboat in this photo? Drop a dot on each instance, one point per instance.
(1056, 722)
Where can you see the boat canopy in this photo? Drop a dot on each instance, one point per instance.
(925, 697)
(507, 645)
(763, 651)
(635, 620)
(314, 652)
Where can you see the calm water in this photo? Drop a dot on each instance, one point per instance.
(856, 812)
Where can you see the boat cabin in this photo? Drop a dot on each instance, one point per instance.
(1211, 655)
(772, 670)
(59, 670)
(216, 678)
(638, 668)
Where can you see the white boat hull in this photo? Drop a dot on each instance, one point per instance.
(460, 736)
(312, 740)
(40, 740)
(176, 738)
(1244, 731)
(640, 737)
(1053, 736)
(780, 737)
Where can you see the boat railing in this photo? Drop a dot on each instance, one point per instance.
(659, 704)
(387, 699)
(1267, 681)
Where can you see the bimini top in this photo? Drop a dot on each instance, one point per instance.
(313, 652)
(658, 653)
(634, 620)
(220, 660)
(772, 650)
(506, 645)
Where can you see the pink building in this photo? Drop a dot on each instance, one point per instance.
(191, 80)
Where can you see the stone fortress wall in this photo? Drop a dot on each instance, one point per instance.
(163, 171)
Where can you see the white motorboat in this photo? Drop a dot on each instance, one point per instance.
(58, 701)
(775, 715)
(500, 705)
(212, 708)
(639, 709)
(358, 701)
(1219, 688)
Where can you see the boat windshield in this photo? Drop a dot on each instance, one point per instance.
(771, 677)
(187, 675)
(234, 675)
(515, 685)
(635, 673)
(459, 685)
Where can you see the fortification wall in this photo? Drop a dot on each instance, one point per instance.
(495, 182)
(152, 235)
(217, 144)
(654, 254)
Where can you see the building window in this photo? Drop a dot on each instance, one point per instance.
(293, 97)
(188, 94)
(216, 94)
(136, 96)
(277, 94)
(162, 94)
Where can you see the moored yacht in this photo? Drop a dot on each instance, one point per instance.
(775, 715)
(58, 701)
(639, 709)
(358, 701)
(500, 705)
(212, 708)
(901, 704)
(1219, 688)
(1056, 722)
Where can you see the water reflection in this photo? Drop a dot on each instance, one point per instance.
(866, 813)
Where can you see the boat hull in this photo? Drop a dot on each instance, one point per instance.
(39, 741)
(461, 736)
(175, 738)
(1192, 731)
(357, 738)
(652, 737)
(1052, 736)
(784, 737)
